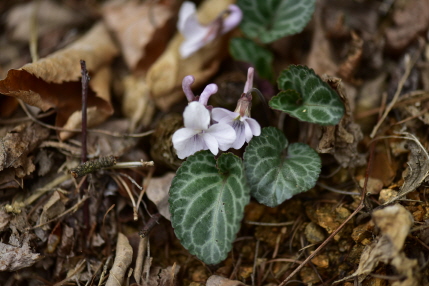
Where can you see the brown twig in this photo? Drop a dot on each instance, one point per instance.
(73, 208)
(149, 225)
(34, 35)
(83, 155)
(98, 131)
(85, 82)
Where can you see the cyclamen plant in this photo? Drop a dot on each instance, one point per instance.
(208, 128)
(208, 194)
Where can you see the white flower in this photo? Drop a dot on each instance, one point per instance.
(199, 135)
(197, 35)
(244, 126)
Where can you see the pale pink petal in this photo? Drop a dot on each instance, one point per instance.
(249, 83)
(186, 142)
(254, 126)
(247, 131)
(224, 134)
(186, 86)
(233, 19)
(211, 142)
(222, 114)
(207, 92)
(196, 36)
(193, 32)
(196, 116)
(239, 128)
(187, 11)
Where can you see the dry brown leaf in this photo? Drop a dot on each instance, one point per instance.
(162, 151)
(342, 140)
(4, 219)
(53, 207)
(216, 280)
(13, 258)
(7, 105)
(54, 82)
(159, 276)
(124, 256)
(157, 191)
(102, 145)
(166, 74)
(142, 29)
(320, 58)
(418, 167)
(50, 16)
(394, 223)
(409, 22)
(136, 103)
(15, 147)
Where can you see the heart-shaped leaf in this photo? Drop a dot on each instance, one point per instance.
(247, 50)
(307, 97)
(275, 176)
(207, 200)
(271, 20)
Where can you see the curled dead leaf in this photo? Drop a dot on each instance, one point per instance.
(15, 257)
(142, 29)
(54, 82)
(342, 140)
(15, 148)
(124, 256)
(394, 223)
(157, 192)
(216, 280)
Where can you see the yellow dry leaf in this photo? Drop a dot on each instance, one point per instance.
(166, 74)
(142, 29)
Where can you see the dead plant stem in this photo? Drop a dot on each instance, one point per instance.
(75, 207)
(98, 131)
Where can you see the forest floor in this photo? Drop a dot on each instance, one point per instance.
(365, 222)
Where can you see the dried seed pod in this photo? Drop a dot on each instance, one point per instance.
(162, 150)
(93, 165)
(149, 225)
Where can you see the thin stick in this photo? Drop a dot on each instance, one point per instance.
(34, 35)
(83, 155)
(99, 131)
(270, 223)
(85, 82)
(255, 260)
(135, 215)
(409, 65)
(149, 225)
(84, 198)
(134, 164)
(290, 260)
(145, 184)
(336, 190)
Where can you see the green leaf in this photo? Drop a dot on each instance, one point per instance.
(307, 97)
(207, 200)
(248, 51)
(271, 20)
(275, 176)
